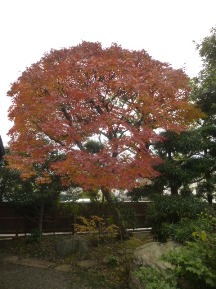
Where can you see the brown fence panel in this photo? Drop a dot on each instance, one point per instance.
(141, 213)
(58, 224)
(12, 221)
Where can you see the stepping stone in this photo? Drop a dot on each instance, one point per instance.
(87, 264)
(36, 263)
(63, 268)
(12, 259)
(126, 251)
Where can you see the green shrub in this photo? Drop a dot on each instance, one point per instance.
(153, 279)
(167, 210)
(183, 230)
(128, 216)
(113, 261)
(35, 236)
(195, 263)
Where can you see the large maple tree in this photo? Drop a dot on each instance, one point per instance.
(113, 97)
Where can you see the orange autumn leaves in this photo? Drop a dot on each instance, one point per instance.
(113, 96)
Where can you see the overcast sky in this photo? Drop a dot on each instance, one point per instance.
(164, 28)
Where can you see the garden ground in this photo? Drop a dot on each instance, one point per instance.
(32, 265)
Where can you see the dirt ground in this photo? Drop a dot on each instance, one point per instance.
(15, 276)
(108, 265)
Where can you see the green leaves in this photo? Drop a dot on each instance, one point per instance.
(154, 279)
(202, 235)
(176, 217)
(195, 262)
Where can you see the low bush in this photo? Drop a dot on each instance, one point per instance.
(195, 263)
(34, 237)
(153, 279)
(99, 229)
(183, 230)
(128, 216)
(113, 261)
(166, 211)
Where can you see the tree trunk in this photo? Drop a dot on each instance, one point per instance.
(40, 218)
(116, 214)
(210, 198)
(2, 191)
(209, 187)
(174, 190)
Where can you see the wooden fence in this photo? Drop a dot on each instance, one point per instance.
(16, 221)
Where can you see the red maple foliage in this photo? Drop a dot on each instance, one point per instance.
(113, 96)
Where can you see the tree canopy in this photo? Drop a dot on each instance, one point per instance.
(204, 92)
(114, 97)
(189, 156)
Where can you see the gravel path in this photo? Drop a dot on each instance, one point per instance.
(16, 276)
(13, 276)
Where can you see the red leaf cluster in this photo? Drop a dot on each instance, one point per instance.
(113, 96)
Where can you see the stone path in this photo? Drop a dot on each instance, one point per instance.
(17, 272)
(32, 262)
(30, 273)
(28, 262)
